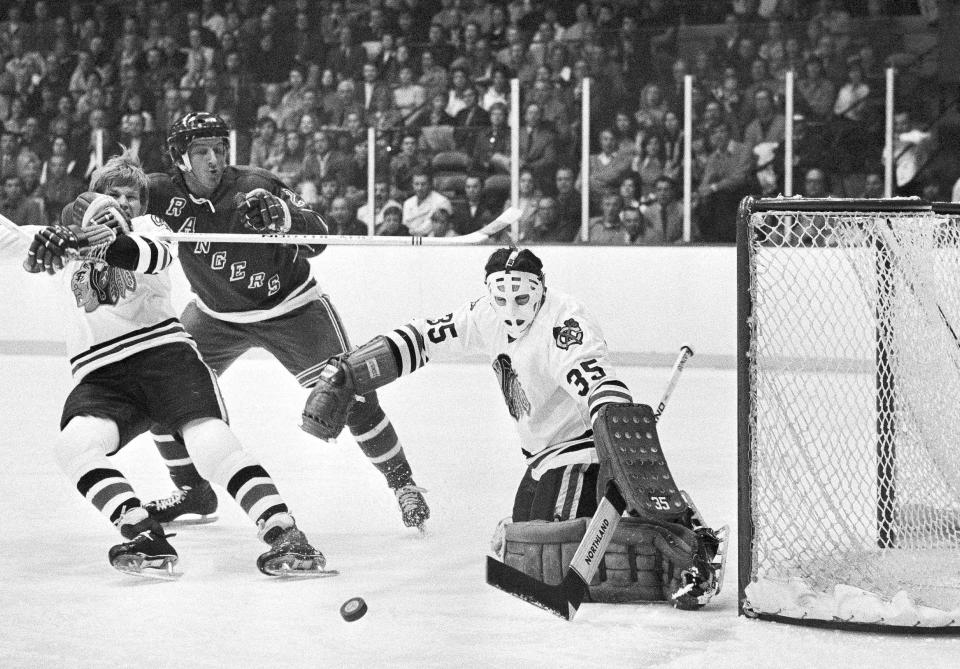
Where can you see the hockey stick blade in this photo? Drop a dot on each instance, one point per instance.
(565, 598)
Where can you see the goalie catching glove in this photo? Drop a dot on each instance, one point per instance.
(54, 245)
(262, 211)
(344, 380)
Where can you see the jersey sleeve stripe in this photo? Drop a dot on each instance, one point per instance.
(145, 259)
(408, 355)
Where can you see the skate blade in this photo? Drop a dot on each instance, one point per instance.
(192, 519)
(134, 566)
(292, 566)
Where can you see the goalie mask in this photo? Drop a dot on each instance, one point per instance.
(516, 286)
(195, 125)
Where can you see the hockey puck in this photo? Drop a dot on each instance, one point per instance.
(353, 609)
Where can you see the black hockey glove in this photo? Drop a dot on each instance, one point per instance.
(262, 211)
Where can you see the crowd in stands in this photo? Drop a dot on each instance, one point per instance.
(302, 80)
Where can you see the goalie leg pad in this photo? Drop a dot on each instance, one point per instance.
(630, 455)
(644, 562)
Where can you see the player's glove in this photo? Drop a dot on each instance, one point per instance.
(262, 211)
(329, 403)
(54, 245)
(49, 248)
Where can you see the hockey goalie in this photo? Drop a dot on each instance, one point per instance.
(571, 411)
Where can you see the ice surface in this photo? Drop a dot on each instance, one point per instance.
(61, 605)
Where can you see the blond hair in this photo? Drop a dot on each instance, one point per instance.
(121, 171)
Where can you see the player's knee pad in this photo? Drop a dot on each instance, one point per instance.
(643, 563)
(215, 449)
(84, 440)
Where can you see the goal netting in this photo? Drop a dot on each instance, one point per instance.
(849, 384)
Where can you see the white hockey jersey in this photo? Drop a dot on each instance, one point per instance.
(554, 379)
(114, 312)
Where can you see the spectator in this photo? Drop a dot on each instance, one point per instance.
(873, 185)
(436, 113)
(266, 144)
(59, 189)
(407, 160)
(628, 191)
(528, 202)
(346, 58)
(374, 93)
(768, 126)
(408, 96)
(852, 95)
(455, 96)
(912, 149)
(816, 91)
(286, 163)
(639, 229)
(724, 183)
(607, 228)
(469, 121)
(664, 215)
(440, 224)
(142, 147)
(649, 165)
(538, 145)
(433, 77)
(472, 214)
(381, 202)
(18, 208)
(343, 220)
(329, 191)
(653, 107)
(606, 167)
(491, 150)
(392, 225)
(499, 89)
(565, 220)
(419, 207)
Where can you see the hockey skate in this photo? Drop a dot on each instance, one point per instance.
(185, 506)
(412, 505)
(702, 582)
(148, 553)
(290, 553)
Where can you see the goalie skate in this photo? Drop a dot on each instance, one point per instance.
(704, 582)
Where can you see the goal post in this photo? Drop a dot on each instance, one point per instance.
(849, 413)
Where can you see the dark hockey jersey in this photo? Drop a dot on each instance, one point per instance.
(238, 282)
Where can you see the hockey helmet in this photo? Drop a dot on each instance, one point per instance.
(195, 125)
(517, 289)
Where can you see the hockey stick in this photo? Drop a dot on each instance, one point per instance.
(504, 220)
(565, 598)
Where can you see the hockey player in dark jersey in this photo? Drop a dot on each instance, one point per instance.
(255, 295)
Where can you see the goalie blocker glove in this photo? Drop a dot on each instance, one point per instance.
(344, 379)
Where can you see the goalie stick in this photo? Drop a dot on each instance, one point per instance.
(501, 222)
(565, 598)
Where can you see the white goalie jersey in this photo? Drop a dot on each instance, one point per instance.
(114, 313)
(554, 379)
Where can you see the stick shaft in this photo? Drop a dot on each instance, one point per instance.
(483, 234)
(685, 354)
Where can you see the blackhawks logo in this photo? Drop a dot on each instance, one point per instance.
(95, 284)
(516, 399)
(568, 335)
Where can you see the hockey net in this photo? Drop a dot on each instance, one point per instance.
(849, 378)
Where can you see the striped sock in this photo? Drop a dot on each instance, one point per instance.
(379, 442)
(255, 492)
(175, 456)
(109, 491)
